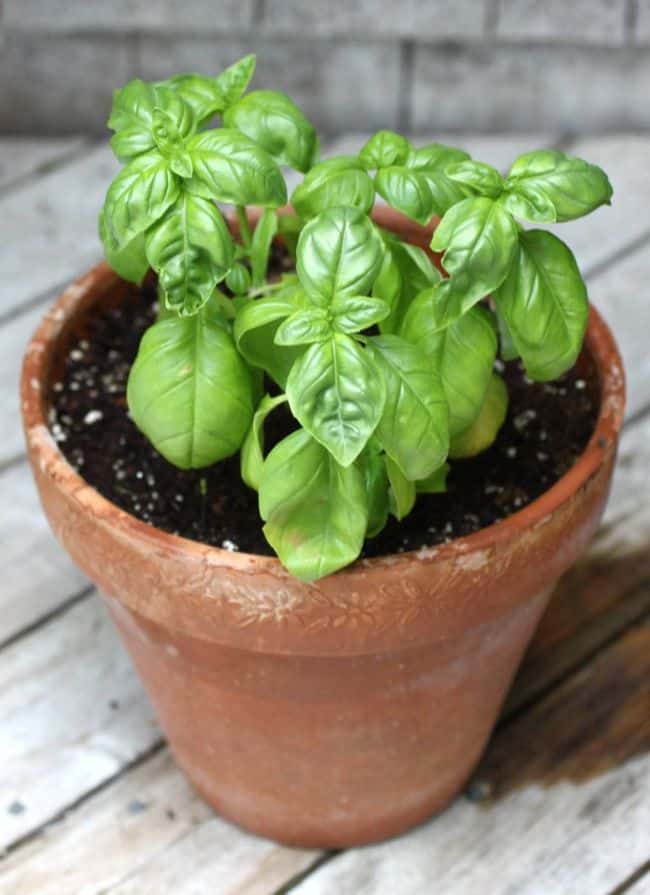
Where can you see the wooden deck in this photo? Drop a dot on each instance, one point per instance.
(90, 800)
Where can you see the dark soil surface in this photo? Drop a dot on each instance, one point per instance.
(548, 426)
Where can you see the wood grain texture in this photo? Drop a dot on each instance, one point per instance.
(641, 886)
(72, 715)
(37, 575)
(620, 292)
(14, 336)
(608, 588)
(22, 157)
(569, 806)
(48, 229)
(142, 835)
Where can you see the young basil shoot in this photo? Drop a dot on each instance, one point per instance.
(386, 367)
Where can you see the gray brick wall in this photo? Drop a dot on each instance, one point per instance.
(427, 65)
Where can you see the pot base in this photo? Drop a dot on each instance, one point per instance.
(323, 752)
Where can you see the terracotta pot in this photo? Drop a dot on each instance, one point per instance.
(338, 712)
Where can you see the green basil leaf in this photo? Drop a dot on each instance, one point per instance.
(436, 483)
(192, 250)
(207, 96)
(230, 168)
(464, 354)
(406, 271)
(238, 279)
(339, 253)
(479, 239)
(388, 283)
(276, 124)
(263, 237)
(435, 158)
(129, 262)
(336, 395)
(479, 177)
(166, 133)
(256, 325)
(304, 327)
(341, 180)
(189, 391)
(414, 427)
(132, 117)
(384, 149)
(421, 188)
(139, 195)
(373, 466)
(531, 205)
(351, 314)
(544, 305)
(181, 164)
(289, 228)
(252, 450)
(402, 494)
(233, 81)
(407, 192)
(199, 92)
(572, 186)
(507, 349)
(485, 428)
(315, 510)
(276, 306)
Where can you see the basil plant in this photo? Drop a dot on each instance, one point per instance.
(387, 367)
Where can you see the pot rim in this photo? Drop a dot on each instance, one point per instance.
(599, 342)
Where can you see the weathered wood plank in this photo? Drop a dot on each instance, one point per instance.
(641, 886)
(570, 800)
(14, 336)
(37, 575)
(609, 586)
(620, 293)
(22, 157)
(48, 229)
(72, 713)
(142, 835)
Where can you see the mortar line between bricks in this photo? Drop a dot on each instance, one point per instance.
(406, 84)
(630, 19)
(495, 43)
(258, 13)
(492, 14)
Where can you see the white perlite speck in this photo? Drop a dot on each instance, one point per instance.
(93, 416)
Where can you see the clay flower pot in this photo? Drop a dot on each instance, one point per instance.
(333, 713)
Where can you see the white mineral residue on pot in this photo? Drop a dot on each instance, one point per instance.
(473, 561)
(426, 552)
